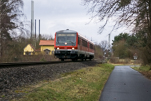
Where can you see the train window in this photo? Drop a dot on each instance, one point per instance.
(91, 46)
(79, 40)
(70, 39)
(84, 43)
(61, 39)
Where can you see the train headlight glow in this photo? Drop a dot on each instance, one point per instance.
(73, 48)
(58, 48)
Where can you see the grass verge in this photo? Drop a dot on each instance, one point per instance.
(81, 85)
(145, 70)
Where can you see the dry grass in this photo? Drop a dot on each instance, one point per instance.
(81, 85)
(145, 70)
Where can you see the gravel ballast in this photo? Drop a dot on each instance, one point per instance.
(11, 78)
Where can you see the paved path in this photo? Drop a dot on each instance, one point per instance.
(126, 84)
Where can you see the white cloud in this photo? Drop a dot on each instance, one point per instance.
(65, 14)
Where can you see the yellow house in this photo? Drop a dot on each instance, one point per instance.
(29, 50)
(47, 47)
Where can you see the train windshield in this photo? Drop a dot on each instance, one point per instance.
(66, 39)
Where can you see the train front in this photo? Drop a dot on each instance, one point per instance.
(66, 43)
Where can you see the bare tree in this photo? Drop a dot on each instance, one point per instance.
(103, 45)
(135, 14)
(10, 13)
(128, 12)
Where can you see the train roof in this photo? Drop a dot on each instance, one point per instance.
(66, 31)
(85, 38)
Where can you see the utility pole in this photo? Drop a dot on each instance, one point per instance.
(109, 46)
(32, 18)
(39, 29)
(35, 34)
(109, 42)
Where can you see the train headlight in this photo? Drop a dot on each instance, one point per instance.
(58, 48)
(73, 48)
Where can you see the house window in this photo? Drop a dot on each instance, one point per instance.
(27, 53)
(47, 51)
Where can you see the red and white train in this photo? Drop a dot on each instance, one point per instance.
(70, 45)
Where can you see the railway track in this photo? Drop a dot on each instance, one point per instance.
(18, 64)
(7, 65)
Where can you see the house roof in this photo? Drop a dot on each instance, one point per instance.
(32, 46)
(46, 42)
(37, 50)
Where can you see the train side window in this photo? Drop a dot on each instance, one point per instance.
(79, 40)
(91, 46)
(84, 43)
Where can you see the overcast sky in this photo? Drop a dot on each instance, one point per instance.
(58, 15)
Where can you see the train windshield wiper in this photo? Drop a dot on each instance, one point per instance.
(73, 43)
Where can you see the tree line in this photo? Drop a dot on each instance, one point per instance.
(14, 31)
(135, 14)
(127, 45)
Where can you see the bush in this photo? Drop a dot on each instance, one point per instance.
(114, 59)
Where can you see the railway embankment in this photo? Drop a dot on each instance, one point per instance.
(85, 84)
(11, 78)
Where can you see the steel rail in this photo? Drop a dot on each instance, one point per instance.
(8, 65)
(17, 64)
